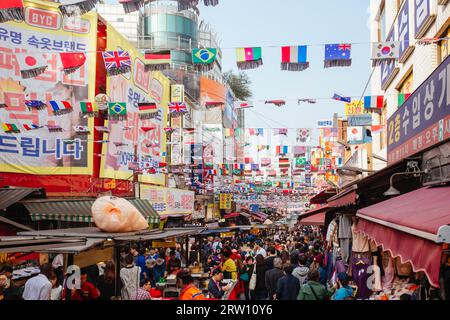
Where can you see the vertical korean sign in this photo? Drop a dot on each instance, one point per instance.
(388, 69)
(403, 31)
(128, 144)
(424, 119)
(43, 35)
(225, 201)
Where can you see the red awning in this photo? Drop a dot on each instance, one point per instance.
(322, 197)
(314, 211)
(411, 226)
(343, 199)
(231, 215)
(317, 219)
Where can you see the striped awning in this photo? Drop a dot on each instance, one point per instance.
(79, 210)
(9, 196)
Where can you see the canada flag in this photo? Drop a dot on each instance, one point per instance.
(31, 65)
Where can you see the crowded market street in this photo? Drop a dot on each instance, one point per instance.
(144, 155)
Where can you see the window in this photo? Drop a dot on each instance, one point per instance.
(444, 51)
(406, 86)
(120, 20)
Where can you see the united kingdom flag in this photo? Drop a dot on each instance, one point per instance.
(177, 107)
(117, 62)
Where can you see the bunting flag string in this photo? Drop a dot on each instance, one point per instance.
(385, 52)
(337, 55)
(294, 58)
(117, 111)
(72, 61)
(157, 60)
(131, 5)
(116, 62)
(60, 107)
(71, 8)
(278, 103)
(31, 65)
(249, 58)
(11, 10)
(147, 110)
(35, 104)
(88, 109)
(203, 59)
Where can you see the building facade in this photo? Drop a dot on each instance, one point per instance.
(406, 21)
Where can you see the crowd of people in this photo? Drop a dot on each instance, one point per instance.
(281, 265)
(276, 265)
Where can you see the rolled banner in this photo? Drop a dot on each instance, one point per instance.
(70, 8)
(278, 103)
(81, 130)
(54, 128)
(11, 10)
(213, 104)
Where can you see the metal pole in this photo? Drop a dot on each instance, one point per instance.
(187, 250)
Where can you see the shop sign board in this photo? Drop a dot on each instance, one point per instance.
(168, 200)
(424, 119)
(360, 120)
(225, 201)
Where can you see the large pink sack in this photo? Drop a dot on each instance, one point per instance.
(112, 214)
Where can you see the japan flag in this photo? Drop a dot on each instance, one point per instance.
(31, 65)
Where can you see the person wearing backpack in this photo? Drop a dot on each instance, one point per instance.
(301, 272)
(313, 289)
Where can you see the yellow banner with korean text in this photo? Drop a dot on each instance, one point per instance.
(129, 146)
(33, 148)
(355, 107)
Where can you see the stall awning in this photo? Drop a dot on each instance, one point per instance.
(9, 196)
(79, 210)
(165, 234)
(36, 244)
(231, 215)
(344, 198)
(317, 219)
(322, 197)
(411, 226)
(314, 211)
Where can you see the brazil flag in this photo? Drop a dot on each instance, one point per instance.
(204, 56)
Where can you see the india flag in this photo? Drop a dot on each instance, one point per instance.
(373, 102)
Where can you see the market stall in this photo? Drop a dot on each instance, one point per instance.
(413, 230)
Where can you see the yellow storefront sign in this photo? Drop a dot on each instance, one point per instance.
(225, 201)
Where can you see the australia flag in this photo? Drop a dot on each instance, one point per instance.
(337, 55)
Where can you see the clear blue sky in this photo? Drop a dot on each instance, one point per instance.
(294, 22)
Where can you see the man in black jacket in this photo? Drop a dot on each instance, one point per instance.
(288, 286)
(272, 277)
(271, 255)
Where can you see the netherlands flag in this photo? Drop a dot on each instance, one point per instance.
(373, 102)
